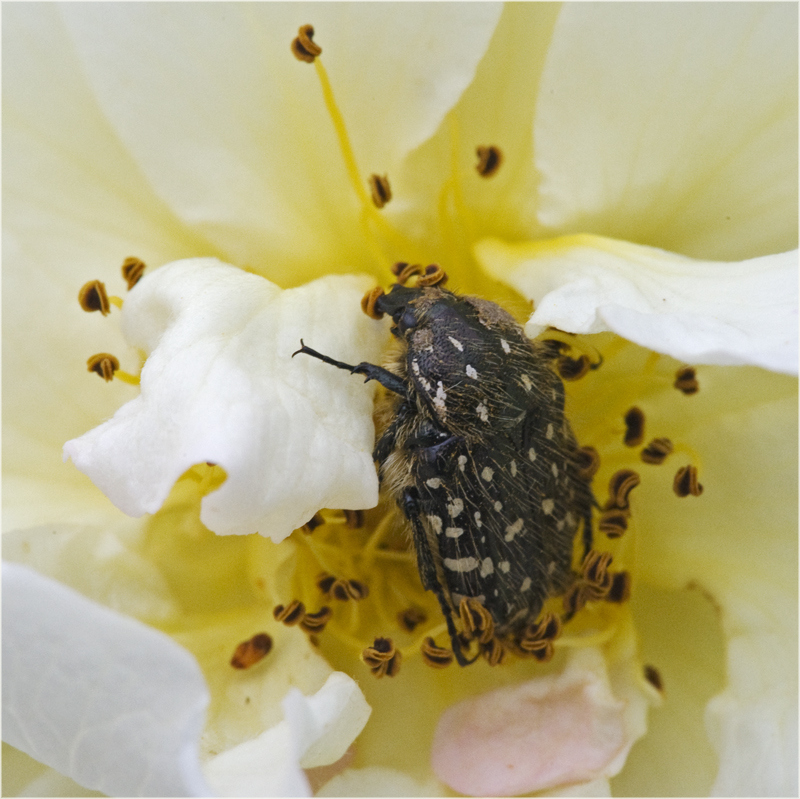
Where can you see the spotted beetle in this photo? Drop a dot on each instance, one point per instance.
(479, 456)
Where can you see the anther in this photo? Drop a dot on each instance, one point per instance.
(493, 651)
(573, 368)
(303, 47)
(103, 364)
(434, 275)
(634, 427)
(436, 657)
(93, 297)
(381, 190)
(325, 583)
(315, 521)
(489, 160)
(686, 380)
(620, 590)
(315, 622)
(554, 347)
(353, 519)
(619, 487)
(344, 590)
(594, 583)
(290, 614)
(652, 675)
(249, 652)
(685, 482)
(406, 271)
(657, 450)
(132, 270)
(476, 620)
(410, 618)
(382, 657)
(587, 459)
(537, 639)
(368, 303)
(613, 523)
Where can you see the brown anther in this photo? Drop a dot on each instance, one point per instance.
(344, 590)
(476, 620)
(381, 190)
(594, 569)
(249, 652)
(103, 364)
(652, 675)
(436, 657)
(290, 614)
(620, 590)
(537, 638)
(489, 160)
(614, 522)
(573, 368)
(382, 657)
(434, 275)
(493, 651)
(325, 583)
(353, 519)
(554, 347)
(132, 270)
(93, 297)
(303, 47)
(397, 268)
(315, 521)
(634, 427)
(619, 487)
(686, 380)
(368, 303)
(685, 482)
(657, 450)
(315, 622)
(410, 618)
(407, 272)
(587, 459)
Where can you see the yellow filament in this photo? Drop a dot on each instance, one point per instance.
(126, 377)
(114, 300)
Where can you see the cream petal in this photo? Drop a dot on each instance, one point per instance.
(118, 706)
(695, 311)
(674, 125)
(232, 131)
(316, 731)
(378, 781)
(220, 386)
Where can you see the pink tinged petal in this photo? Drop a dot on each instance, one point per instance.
(549, 732)
(293, 435)
(98, 696)
(700, 312)
(672, 124)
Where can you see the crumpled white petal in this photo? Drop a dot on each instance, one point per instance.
(293, 435)
(316, 731)
(575, 727)
(698, 312)
(674, 125)
(98, 696)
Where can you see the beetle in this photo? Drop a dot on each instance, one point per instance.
(478, 454)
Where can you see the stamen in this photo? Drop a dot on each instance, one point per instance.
(573, 368)
(344, 590)
(489, 160)
(411, 618)
(434, 276)
(93, 297)
(476, 620)
(652, 675)
(290, 614)
(381, 190)
(657, 450)
(434, 656)
(103, 364)
(686, 380)
(588, 462)
(315, 622)
(354, 519)
(685, 482)
(368, 303)
(383, 658)
(406, 271)
(619, 487)
(248, 653)
(620, 590)
(613, 522)
(494, 652)
(594, 583)
(132, 271)
(315, 521)
(303, 47)
(634, 427)
(537, 639)
(325, 582)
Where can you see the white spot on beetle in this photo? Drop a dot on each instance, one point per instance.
(550, 432)
(462, 462)
(513, 529)
(433, 482)
(526, 382)
(513, 468)
(498, 506)
(554, 469)
(436, 523)
(461, 564)
(531, 454)
(456, 343)
(471, 372)
(455, 507)
(504, 566)
(547, 506)
(441, 396)
(487, 567)
(415, 366)
(454, 532)
(504, 345)
(487, 474)
(478, 522)
(526, 584)
(483, 412)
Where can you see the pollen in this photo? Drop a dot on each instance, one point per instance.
(303, 47)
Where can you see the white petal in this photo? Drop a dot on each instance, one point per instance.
(232, 130)
(695, 311)
(316, 730)
(674, 125)
(100, 697)
(220, 386)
